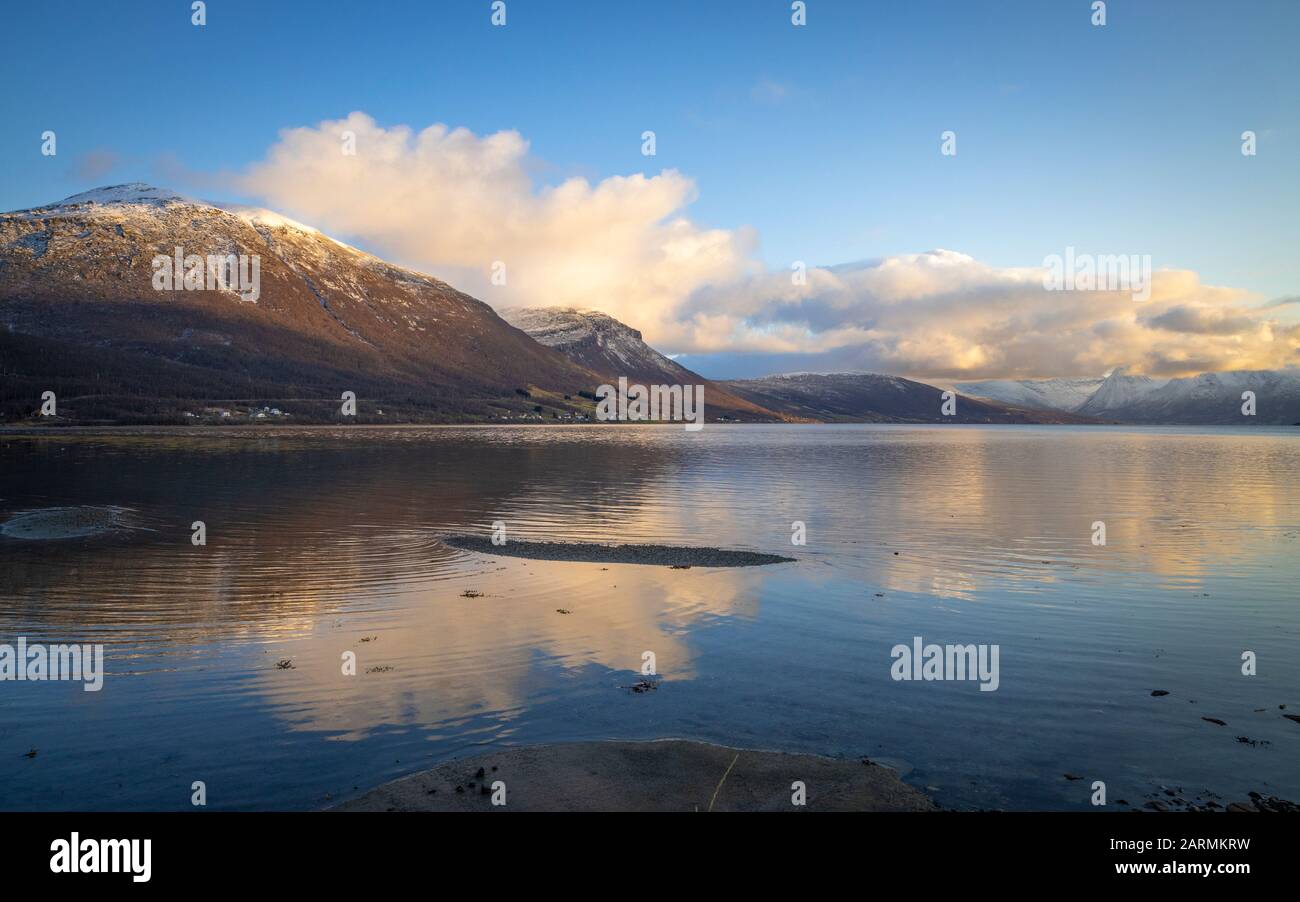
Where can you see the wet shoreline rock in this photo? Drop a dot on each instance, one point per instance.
(663, 775)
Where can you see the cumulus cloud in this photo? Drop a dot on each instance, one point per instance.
(452, 203)
(945, 315)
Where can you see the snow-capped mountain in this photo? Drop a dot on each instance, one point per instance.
(1117, 392)
(597, 341)
(1040, 394)
(871, 398)
(131, 193)
(80, 315)
(1209, 399)
(600, 343)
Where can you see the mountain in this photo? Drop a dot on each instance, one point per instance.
(867, 398)
(597, 341)
(1207, 399)
(80, 316)
(602, 344)
(1039, 394)
(1117, 392)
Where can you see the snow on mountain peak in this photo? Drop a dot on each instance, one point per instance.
(263, 216)
(130, 193)
(1041, 394)
(594, 339)
(135, 194)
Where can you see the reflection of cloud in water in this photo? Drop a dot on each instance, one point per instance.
(304, 535)
(453, 655)
(967, 532)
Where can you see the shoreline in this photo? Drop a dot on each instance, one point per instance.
(655, 775)
(266, 430)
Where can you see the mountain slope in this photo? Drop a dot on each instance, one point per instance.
(1117, 392)
(869, 398)
(1208, 399)
(1039, 394)
(79, 316)
(598, 342)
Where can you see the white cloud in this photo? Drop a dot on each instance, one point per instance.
(946, 315)
(450, 203)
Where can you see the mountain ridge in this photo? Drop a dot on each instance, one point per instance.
(1204, 399)
(603, 344)
(875, 398)
(80, 316)
(76, 285)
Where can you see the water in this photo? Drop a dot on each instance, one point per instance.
(325, 542)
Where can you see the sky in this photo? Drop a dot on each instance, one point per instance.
(775, 144)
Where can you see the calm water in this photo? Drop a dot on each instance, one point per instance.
(319, 542)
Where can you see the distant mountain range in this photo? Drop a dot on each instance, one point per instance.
(1207, 399)
(870, 398)
(1049, 394)
(81, 316)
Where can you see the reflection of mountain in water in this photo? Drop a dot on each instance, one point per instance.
(324, 545)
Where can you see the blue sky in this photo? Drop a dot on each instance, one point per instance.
(823, 139)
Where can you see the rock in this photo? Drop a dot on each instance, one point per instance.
(666, 775)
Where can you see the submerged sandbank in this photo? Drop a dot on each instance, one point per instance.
(661, 555)
(664, 775)
(52, 523)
